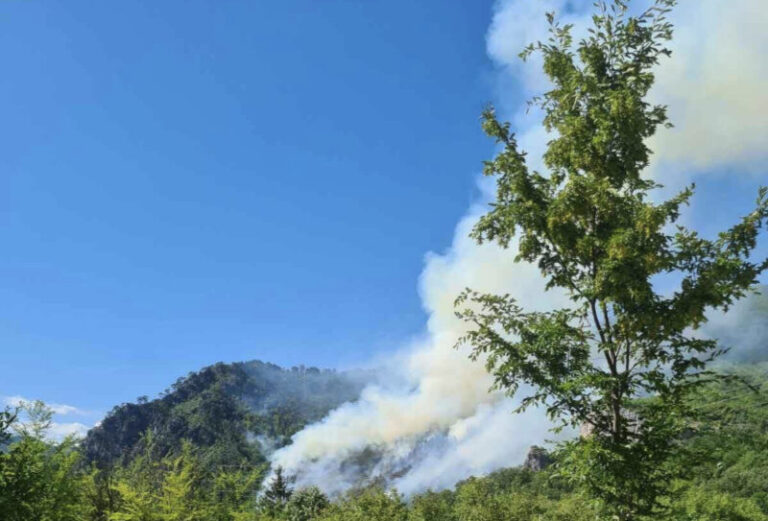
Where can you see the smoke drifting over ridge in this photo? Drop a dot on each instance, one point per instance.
(440, 424)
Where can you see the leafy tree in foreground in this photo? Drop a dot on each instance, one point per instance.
(373, 504)
(39, 480)
(591, 227)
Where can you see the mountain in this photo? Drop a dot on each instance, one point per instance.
(722, 466)
(234, 413)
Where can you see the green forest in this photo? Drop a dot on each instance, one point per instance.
(723, 467)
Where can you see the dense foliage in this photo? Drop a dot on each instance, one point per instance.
(588, 220)
(724, 468)
(230, 412)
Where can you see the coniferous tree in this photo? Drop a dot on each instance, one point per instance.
(277, 494)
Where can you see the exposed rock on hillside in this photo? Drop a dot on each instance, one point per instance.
(537, 459)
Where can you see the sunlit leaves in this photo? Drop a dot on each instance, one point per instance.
(591, 226)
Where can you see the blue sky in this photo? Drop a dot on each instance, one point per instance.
(201, 181)
(188, 182)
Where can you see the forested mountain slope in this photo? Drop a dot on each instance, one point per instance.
(232, 412)
(722, 467)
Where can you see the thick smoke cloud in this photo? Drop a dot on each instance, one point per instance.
(443, 424)
(715, 84)
(439, 424)
(716, 87)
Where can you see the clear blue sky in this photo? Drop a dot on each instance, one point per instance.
(186, 182)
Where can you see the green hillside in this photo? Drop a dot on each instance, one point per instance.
(724, 464)
(232, 413)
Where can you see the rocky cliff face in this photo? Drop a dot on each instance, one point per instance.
(537, 459)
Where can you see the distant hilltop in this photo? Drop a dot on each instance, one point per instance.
(235, 413)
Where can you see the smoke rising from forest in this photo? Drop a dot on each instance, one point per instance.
(443, 421)
(440, 424)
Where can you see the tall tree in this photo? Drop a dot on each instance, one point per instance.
(592, 228)
(276, 495)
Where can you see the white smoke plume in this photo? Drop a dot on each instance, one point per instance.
(716, 87)
(444, 412)
(440, 424)
(743, 329)
(715, 84)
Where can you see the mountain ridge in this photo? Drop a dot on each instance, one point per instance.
(235, 412)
